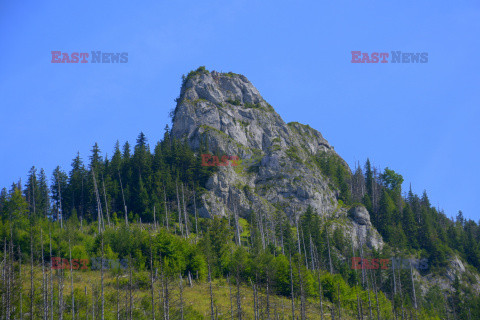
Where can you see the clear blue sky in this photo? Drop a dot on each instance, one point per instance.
(421, 120)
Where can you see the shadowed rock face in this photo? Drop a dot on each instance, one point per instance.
(360, 215)
(229, 114)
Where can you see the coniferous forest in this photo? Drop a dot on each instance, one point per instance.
(122, 238)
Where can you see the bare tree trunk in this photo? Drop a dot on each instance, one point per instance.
(196, 219)
(99, 204)
(212, 314)
(298, 237)
(413, 290)
(302, 293)
(185, 213)
(123, 198)
(180, 224)
(267, 311)
(130, 289)
(118, 299)
(255, 306)
(181, 296)
(320, 293)
(291, 287)
(360, 315)
(106, 204)
(374, 281)
(237, 227)
(32, 287)
(401, 294)
(230, 296)
(165, 203)
(71, 280)
(154, 219)
(44, 281)
(60, 212)
(21, 281)
(151, 277)
(60, 293)
(101, 282)
(239, 300)
(329, 256)
(51, 278)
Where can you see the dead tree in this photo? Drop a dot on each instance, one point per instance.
(401, 293)
(185, 213)
(360, 315)
(123, 198)
(154, 219)
(106, 204)
(239, 300)
(413, 290)
(320, 293)
(101, 282)
(374, 282)
(151, 278)
(291, 287)
(196, 219)
(180, 288)
(59, 212)
(230, 296)
(255, 305)
(165, 203)
(44, 281)
(329, 256)
(71, 280)
(118, 297)
(60, 274)
(298, 236)
(180, 224)
(51, 278)
(302, 293)
(20, 282)
(237, 227)
(32, 287)
(166, 296)
(130, 288)
(212, 313)
(99, 204)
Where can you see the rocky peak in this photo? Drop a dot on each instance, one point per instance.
(229, 103)
(228, 113)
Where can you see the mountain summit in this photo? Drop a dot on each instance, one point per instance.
(279, 169)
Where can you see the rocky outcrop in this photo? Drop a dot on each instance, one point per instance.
(227, 113)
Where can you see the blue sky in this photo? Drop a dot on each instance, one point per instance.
(418, 119)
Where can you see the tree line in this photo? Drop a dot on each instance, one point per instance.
(142, 207)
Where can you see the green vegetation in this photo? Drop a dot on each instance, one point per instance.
(200, 70)
(292, 153)
(234, 102)
(339, 175)
(82, 211)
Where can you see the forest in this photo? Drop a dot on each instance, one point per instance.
(142, 208)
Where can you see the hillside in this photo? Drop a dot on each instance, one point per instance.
(288, 220)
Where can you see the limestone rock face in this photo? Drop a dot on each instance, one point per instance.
(361, 215)
(276, 172)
